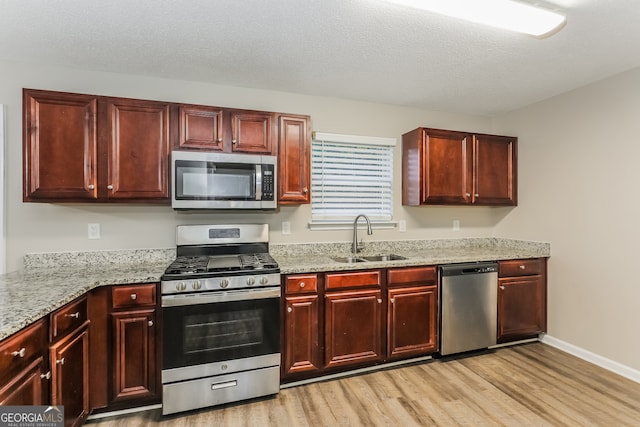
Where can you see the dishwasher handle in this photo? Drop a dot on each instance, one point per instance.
(468, 269)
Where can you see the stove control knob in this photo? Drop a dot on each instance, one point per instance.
(224, 283)
(251, 281)
(181, 286)
(264, 280)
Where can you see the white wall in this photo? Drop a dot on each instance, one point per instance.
(579, 189)
(39, 227)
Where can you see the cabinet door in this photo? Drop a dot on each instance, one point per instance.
(200, 127)
(59, 147)
(521, 307)
(412, 321)
(353, 327)
(251, 132)
(134, 355)
(138, 150)
(26, 386)
(447, 167)
(70, 375)
(294, 160)
(495, 173)
(302, 346)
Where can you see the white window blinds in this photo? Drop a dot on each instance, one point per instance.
(351, 175)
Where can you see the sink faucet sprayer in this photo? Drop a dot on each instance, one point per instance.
(358, 247)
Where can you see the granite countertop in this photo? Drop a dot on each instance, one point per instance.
(49, 281)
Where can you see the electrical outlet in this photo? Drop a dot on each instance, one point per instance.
(286, 227)
(93, 231)
(402, 226)
(456, 225)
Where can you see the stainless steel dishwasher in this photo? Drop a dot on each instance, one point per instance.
(468, 306)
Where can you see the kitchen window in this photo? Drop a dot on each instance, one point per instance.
(351, 175)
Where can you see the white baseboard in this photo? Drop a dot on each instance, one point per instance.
(603, 362)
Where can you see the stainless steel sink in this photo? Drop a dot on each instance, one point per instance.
(385, 257)
(349, 259)
(373, 258)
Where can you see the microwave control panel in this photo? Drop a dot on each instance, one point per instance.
(267, 182)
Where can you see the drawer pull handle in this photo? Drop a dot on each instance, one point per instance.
(60, 361)
(302, 284)
(134, 296)
(228, 384)
(20, 353)
(75, 315)
(150, 323)
(46, 376)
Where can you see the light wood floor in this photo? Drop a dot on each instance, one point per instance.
(525, 385)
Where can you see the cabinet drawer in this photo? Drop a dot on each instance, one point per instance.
(68, 318)
(21, 348)
(521, 267)
(355, 279)
(301, 284)
(133, 296)
(411, 275)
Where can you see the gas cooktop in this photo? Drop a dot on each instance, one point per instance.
(203, 266)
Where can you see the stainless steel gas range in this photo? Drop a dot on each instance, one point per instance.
(221, 317)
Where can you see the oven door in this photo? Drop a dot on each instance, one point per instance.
(212, 327)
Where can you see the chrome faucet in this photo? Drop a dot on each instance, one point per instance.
(358, 247)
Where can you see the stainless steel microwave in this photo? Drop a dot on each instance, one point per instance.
(206, 180)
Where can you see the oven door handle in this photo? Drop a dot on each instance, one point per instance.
(219, 296)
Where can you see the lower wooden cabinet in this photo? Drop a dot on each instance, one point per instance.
(353, 327)
(337, 321)
(70, 375)
(521, 299)
(412, 321)
(302, 343)
(27, 386)
(134, 355)
(135, 368)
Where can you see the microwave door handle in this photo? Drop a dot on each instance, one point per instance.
(258, 182)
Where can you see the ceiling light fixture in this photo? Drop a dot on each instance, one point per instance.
(506, 14)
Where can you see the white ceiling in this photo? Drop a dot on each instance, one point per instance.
(356, 49)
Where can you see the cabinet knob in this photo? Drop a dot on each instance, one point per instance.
(392, 300)
(468, 194)
(502, 287)
(74, 315)
(218, 139)
(91, 186)
(522, 267)
(60, 361)
(234, 141)
(476, 195)
(302, 284)
(379, 301)
(305, 190)
(109, 187)
(46, 376)
(19, 353)
(150, 322)
(289, 309)
(134, 296)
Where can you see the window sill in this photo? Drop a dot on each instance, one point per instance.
(348, 225)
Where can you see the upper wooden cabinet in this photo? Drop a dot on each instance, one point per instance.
(86, 148)
(201, 127)
(442, 167)
(294, 160)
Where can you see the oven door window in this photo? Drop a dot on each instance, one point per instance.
(206, 333)
(197, 180)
